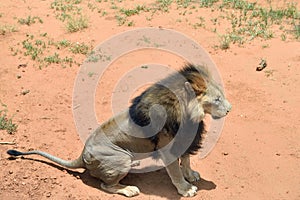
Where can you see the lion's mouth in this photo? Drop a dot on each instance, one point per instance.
(216, 117)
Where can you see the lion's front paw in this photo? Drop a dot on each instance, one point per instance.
(191, 175)
(190, 192)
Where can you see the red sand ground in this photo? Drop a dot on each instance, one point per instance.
(258, 153)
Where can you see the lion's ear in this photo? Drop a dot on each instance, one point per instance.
(189, 89)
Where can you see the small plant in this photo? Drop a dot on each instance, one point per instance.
(297, 31)
(264, 46)
(53, 59)
(65, 9)
(201, 23)
(6, 123)
(75, 24)
(163, 5)
(207, 3)
(91, 6)
(91, 74)
(283, 37)
(68, 61)
(103, 12)
(131, 23)
(184, 3)
(62, 44)
(4, 29)
(137, 10)
(78, 48)
(224, 42)
(33, 48)
(121, 19)
(30, 20)
(95, 56)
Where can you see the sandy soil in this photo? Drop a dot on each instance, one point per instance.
(258, 153)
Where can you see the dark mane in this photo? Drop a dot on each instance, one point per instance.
(166, 93)
(191, 68)
(188, 68)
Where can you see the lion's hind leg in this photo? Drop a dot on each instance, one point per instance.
(128, 191)
(113, 174)
(110, 164)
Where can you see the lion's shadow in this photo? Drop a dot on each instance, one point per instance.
(155, 183)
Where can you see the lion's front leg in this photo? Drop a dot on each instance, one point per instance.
(183, 187)
(187, 172)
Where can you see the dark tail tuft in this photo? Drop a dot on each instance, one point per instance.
(14, 153)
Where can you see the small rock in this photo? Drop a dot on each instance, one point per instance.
(10, 172)
(24, 92)
(19, 76)
(48, 194)
(22, 66)
(262, 65)
(225, 153)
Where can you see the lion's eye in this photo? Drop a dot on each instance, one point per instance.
(218, 100)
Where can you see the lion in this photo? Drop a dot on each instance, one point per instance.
(170, 111)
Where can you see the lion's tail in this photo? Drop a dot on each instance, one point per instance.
(72, 164)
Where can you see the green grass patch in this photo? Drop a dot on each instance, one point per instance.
(65, 9)
(70, 12)
(38, 49)
(77, 23)
(80, 48)
(5, 29)
(123, 14)
(135, 11)
(207, 3)
(34, 48)
(250, 21)
(297, 31)
(6, 122)
(30, 20)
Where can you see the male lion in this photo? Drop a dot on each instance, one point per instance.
(169, 112)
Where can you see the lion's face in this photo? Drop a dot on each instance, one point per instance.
(214, 101)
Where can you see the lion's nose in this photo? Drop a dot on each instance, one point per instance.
(229, 108)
